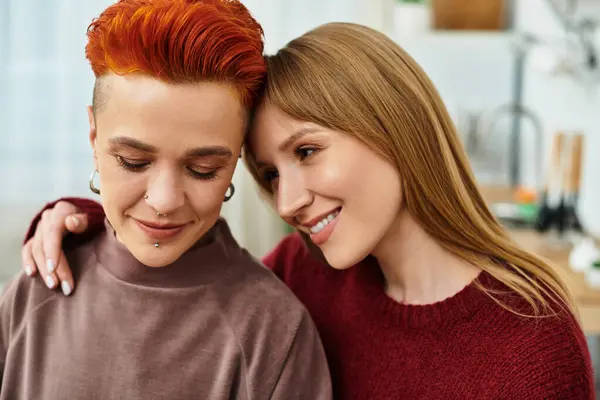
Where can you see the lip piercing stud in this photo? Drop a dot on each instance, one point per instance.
(156, 245)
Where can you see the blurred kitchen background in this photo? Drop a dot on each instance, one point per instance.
(513, 74)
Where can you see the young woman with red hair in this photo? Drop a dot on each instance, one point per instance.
(168, 306)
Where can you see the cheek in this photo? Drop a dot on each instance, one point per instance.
(365, 183)
(378, 192)
(337, 176)
(120, 189)
(206, 198)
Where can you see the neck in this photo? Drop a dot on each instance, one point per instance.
(416, 268)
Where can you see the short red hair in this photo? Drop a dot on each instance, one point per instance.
(180, 41)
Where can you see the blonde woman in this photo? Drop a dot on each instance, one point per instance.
(417, 291)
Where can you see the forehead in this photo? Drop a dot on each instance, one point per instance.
(142, 105)
(271, 127)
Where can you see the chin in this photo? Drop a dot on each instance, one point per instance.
(341, 258)
(343, 251)
(156, 258)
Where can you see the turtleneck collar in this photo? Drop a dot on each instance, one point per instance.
(197, 266)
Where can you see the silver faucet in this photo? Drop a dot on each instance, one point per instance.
(518, 112)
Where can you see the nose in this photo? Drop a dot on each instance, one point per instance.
(165, 193)
(292, 196)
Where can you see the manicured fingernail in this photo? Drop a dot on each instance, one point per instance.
(75, 221)
(66, 288)
(28, 270)
(50, 281)
(50, 265)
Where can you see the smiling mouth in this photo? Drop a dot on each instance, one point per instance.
(160, 231)
(319, 226)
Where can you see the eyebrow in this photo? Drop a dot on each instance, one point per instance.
(287, 143)
(133, 143)
(208, 151)
(199, 152)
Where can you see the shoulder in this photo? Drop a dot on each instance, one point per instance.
(253, 299)
(260, 293)
(23, 296)
(251, 288)
(266, 318)
(20, 299)
(547, 357)
(24, 293)
(532, 357)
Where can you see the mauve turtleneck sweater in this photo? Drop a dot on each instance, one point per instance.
(215, 324)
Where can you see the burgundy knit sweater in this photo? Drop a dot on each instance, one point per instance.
(465, 347)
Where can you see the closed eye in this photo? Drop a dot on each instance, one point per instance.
(139, 166)
(207, 176)
(132, 165)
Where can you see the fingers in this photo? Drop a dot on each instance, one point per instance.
(52, 229)
(40, 260)
(63, 272)
(64, 209)
(43, 253)
(54, 226)
(77, 223)
(27, 259)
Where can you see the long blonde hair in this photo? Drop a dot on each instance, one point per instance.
(353, 79)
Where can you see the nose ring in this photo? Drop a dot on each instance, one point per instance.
(157, 213)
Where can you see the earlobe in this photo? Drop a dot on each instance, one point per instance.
(92, 122)
(91, 119)
(92, 134)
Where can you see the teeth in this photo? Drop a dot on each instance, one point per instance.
(323, 223)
